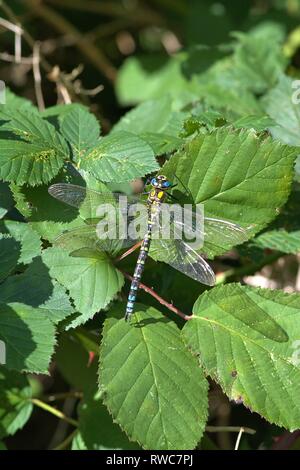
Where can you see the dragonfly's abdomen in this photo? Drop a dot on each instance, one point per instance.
(139, 269)
(154, 202)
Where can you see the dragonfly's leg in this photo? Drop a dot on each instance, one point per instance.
(187, 191)
(128, 252)
(171, 195)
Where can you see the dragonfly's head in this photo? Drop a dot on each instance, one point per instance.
(160, 182)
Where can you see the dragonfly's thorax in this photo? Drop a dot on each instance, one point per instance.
(156, 196)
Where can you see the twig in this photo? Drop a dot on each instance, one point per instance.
(18, 47)
(236, 447)
(15, 28)
(143, 14)
(62, 82)
(91, 52)
(66, 441)
(229, 429)
(37, 77)
(11, 58)
(53, 411)
(157, 297)
(63, 396)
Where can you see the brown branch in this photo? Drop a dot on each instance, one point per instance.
(47, 67)
(88, 49)
(141, 14)
(162, 301)
(37, 77)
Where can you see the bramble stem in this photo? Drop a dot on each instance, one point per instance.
(157, 297)
(59, 414)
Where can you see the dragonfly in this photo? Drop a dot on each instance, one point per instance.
(176, 251)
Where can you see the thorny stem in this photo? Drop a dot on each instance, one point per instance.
(59, 414)
(157, 297)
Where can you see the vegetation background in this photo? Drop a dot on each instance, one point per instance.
(236, 59)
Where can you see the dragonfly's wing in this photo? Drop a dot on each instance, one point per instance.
(216, 231)
(89, 202)
(213, 232)
(113, 220)
(181, 256)
(85, 236)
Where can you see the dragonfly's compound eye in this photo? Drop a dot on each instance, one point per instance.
(154, 182)
(166, 184)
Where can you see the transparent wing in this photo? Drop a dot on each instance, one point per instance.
(112, 221)
(90, 200)
(85, 236)
(216, 233)
(218, 230)
(181, 256)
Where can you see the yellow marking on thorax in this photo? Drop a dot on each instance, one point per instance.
(160, 195)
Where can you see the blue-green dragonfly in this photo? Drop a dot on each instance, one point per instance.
(177, 252)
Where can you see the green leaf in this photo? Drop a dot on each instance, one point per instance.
(232, 336)
(46, 215)
(90, 277)
(73, 363)
(259, 123)
(281, 104)
(82, 130)
(151, 385)
(78, 443)
(10, 251)
(144, 78)
(119, 157)
(239, 176)
(258, 56)
(97, 429)
(6, 199)
(26, 236)
(15, 404)
(222, 89)
(61, 110)
(16, 103)
(154, 116)
(29, 337)
(34, 151)
(36, 288)
(158, 122)
(2, 446)
(284, 233)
